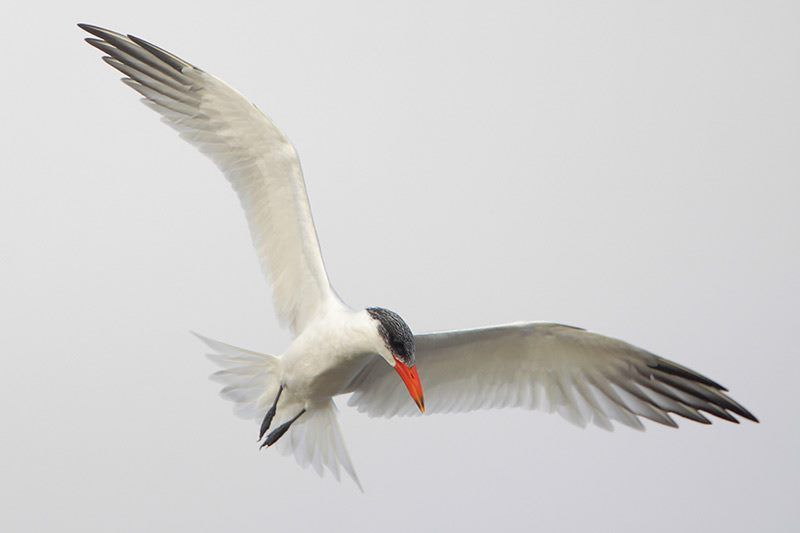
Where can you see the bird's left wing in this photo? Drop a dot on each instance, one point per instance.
(256, 157)
(583, 376)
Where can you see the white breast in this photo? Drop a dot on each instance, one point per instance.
(330, 352)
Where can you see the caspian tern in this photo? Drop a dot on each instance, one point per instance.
(584, 376)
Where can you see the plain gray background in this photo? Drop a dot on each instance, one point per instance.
(629, 167)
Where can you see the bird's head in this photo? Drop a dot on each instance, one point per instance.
(398, 349)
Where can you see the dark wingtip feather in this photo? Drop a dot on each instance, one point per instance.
(732, 405)
(747, 414)
(681, 371)
(724, 415)
(702, 420)
(167, 57)
(97, 31)
(91, 28)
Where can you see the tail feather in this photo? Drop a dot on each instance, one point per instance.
(316, 441)
(248, 377)
(251, 381)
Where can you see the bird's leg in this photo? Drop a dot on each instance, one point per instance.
(270, 415)
(279, 431)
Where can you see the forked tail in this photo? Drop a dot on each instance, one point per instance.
(251, 381)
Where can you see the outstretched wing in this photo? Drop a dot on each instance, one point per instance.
(583, 376)
(255, 156)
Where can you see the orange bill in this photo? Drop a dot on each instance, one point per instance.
(410, 377)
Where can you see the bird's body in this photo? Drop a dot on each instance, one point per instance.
(584, 376)
(328, 355)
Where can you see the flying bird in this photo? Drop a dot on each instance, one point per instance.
(371, 353)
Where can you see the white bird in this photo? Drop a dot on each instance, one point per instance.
(584, 376)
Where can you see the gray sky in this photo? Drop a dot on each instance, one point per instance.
(629, 167)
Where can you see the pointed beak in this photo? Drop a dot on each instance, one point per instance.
(410, 377)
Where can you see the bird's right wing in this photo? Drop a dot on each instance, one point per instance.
(256, 157)
(583, 376)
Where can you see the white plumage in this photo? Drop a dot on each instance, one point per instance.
(585, 377)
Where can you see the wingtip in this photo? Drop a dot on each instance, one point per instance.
(738, 409)
(670, 367)
(95, 43)
(742, 411)
(749, 416)
(103, 33)
(91, 28)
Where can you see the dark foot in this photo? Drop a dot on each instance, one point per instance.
(270, 415)
(279, 431)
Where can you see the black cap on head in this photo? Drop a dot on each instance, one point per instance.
(396, 334)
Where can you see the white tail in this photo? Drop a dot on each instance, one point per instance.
(251, 380)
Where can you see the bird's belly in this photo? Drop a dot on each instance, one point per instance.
(322, 376)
